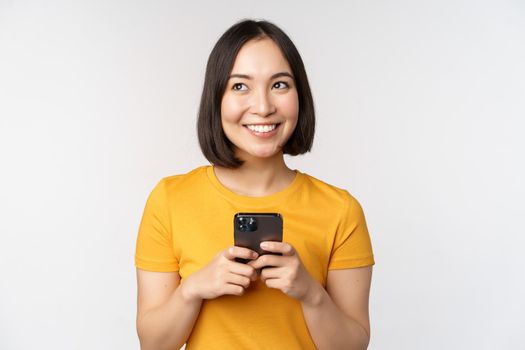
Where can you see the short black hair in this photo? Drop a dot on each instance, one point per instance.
(215, 146)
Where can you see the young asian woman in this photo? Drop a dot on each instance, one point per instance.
(256, 106)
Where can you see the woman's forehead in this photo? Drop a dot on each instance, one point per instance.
(260, 58)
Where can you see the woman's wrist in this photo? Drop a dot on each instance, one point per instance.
(186, 291)
(314, 295)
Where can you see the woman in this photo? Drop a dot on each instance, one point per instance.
(256, 106)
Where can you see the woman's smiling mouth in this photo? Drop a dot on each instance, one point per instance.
(262, 130)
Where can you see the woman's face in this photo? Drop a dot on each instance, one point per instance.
(260, 90)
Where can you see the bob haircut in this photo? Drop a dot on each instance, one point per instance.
(215, 146)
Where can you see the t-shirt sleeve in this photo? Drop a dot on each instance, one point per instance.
(352, 245)
(154, 250)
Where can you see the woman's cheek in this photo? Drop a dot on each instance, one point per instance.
(232, 108)
(290, 105)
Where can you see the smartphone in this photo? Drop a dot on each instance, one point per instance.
(250, 229)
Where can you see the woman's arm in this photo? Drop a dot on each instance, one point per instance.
(165, 315)
(338, 317)
(167, 311)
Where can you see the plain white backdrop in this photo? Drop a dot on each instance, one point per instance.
(420, 115)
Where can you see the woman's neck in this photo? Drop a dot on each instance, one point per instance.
(257, 177)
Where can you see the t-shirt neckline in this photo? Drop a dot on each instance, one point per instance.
(262, 201)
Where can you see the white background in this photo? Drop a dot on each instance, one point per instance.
(420, 110)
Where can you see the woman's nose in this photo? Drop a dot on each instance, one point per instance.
(262, 104)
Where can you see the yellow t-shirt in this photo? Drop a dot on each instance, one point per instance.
(188, 219)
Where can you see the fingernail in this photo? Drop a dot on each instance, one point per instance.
(264, 245)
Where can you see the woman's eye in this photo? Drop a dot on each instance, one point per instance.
(237, 86)
(283, 84)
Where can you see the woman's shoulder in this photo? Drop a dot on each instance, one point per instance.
(339, 198)
(327, 189)
(185, 174)
(184, 179)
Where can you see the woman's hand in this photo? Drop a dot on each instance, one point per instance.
(222, 275)
(285, 272)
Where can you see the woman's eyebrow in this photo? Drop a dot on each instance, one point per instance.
(249, 77)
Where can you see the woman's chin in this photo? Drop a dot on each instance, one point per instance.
(259, 153)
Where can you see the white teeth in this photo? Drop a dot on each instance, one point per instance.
(261, 128)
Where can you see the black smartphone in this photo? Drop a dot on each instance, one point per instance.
(250, 229)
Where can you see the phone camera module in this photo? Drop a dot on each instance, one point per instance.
(247, 224)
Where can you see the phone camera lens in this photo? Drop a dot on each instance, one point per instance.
(252, 224)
